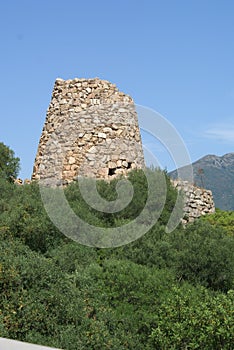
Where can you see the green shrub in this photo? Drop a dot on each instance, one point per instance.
(223, 219)
(205, 256)
(194, 319)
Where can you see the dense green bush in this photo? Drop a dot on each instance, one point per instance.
(221, 218)
(191, 318)
(205, 256)
(24, 215)
(36, 296)
(162, 198)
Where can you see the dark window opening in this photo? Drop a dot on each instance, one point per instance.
(111, 171)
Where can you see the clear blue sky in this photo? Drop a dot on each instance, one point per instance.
(176, 57)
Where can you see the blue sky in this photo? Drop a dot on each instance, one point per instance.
(176, 57)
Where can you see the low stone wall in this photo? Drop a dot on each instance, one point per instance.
(197, 201)
(91, 129)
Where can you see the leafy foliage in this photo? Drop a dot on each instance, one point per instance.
(163, 291)
(193, 319)
(204, 255)
(9, 164)
(224, 219)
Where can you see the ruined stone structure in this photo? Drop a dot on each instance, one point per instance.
(91, 129)
(197, 201)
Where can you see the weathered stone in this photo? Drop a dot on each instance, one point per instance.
(112, 165)
(107, 130)
(103, 172)
(114, 157)
(102, 135)
(27, 182)
(93, 149)
(197, 201)
(74, 167)
(72, 160)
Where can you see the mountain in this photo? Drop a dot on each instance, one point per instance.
(216, 174)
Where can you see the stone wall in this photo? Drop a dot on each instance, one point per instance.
(197, 201)
(91, 129)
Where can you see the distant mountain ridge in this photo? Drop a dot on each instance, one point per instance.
(215, 173)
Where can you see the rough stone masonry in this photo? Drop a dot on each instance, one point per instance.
(91, 129)
(197, 201)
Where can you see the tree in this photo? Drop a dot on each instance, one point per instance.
(9, 164)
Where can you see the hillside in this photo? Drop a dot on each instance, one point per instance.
(216, 174)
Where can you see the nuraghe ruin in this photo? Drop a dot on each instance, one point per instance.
(91, 129)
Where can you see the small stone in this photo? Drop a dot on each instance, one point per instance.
(103, 172)
(119, 132)
(87, 137)
(90, 156)
(107, 129)
(93, 150)
(114, 157)
(102, 135)
(67, 167)
(27, 182)
(59, 81)
(112, 165)
(115, 127)
(72, 160)
(77, 109)
(119, 171)
(74, 167)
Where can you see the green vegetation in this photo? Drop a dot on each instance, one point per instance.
(9, 164)
(163, 291)
(224, 219)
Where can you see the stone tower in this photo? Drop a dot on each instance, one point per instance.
(91, 129)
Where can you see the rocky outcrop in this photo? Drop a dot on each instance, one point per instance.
(197, 201)
(91, 129)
